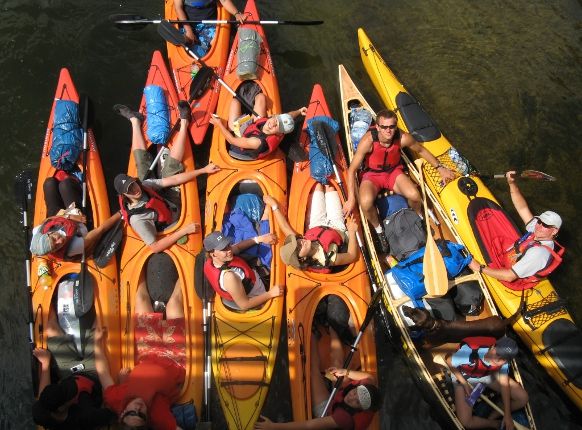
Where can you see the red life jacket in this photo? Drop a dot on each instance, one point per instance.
(362, 419)
(60, 223)
(84, 385)
(383, 159)
(155, 203)
(61, 175)
(269, 143)
(518, 251)
(212, 273)
(476, 368)
(325, 236)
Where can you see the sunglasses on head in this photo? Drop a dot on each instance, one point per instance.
(390, 126)
(543, 224)
(134, 414)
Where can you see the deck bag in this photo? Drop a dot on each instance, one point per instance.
(67, 141)
(468, 296)
(249, 48)
(442, 308)
(389, 204)
(185, 415)
(405, 232)
(322, 138)
(360, 121)
(158, 115)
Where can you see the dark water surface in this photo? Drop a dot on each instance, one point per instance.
(502, 79)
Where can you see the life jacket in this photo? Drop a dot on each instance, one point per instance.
(155, 203)
(362, 419)
(199, 3)
(84, 385)
(60, 223)
(269, 143)
(213, 273)
(61, 175)
(325, 236)
(476, 368)
(383, 159)
(517, 252)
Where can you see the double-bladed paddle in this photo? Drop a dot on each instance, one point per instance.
(433, 266)
(136, 22)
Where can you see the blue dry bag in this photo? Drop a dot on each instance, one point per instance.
(322, 131)
(67, 141)
(158, 115)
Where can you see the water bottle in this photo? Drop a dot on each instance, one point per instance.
(194, 70)
(477, 390)
(45, 278)
(360, 120)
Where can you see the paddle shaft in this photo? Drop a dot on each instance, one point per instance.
(206, 325)
(353, 348)
(172, 35)
(145, 21)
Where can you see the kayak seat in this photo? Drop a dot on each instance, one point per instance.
(420, 125)
(564, 344)
(240, 157)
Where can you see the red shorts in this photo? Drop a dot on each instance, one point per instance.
(383, 180)
(163, 338)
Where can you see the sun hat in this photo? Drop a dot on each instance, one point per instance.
(506, 348)
(286, 123)
(550, 218)
(122, 183)
(41, 244)
(289, 252)
(216, 241)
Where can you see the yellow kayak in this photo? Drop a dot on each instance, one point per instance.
(546, 326)
(421, 360)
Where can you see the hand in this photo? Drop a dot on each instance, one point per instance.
(303, 111)
(352, 225)
(265, 424)
(467, 389)
(269, 201)
(189, 35)
(43, 356)
(277, 290)
(193, 227)
(240, 17)
(348, 207)
(508, 422)
(510, 176)
(447, 175)
(474, 265)
(215, 120)
(269, 238)
(211, 168)
(337, 372)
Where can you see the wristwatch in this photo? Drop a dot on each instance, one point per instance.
(481, 267)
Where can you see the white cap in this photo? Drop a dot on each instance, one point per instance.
(364, 397)
(551, 218)
(286, 123)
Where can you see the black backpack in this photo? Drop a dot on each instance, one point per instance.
(405, 232)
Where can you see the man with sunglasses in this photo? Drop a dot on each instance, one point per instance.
(532, 256)
(379, 154)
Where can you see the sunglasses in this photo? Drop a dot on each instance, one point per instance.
(384, 127)
(543, 224)
(134, 414)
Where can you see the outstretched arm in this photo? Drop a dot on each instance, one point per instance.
(94, 235)
(233, 285)
(101, 362)
(446, 174)
(500, 274)
(44, 358)
(280, 218)
(182, 178)
(518, 199)
(181, 14)
(231, 8)
(364, 147)
(241, 142)
(296, 113)
(167, 241)
(352, 253)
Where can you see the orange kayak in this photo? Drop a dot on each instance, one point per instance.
(245, 344)
(183, 67)
(105, 279)
(306, 289)
(135, 255)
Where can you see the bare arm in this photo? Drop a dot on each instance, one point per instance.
(94, 235)
(458, 375)
(518, 199)
(181, 14)
(231, 8)
(44, 358)
(241, 142)
(506, 398)
(354, 375)
(500, 274)
(352, 253)
(182, 178)
(409, 141)
(268, 238)
(101, 362)
(234, 286)
(167, 241)
(312, 424)
(280, 218)
(296, 113)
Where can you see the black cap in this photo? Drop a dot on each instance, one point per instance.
(506, 348)
(216, 241)
(123, 182)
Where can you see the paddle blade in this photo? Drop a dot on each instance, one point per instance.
(24, 184)
(83, 292)
(297, 153)
(203, 289)
(86, 106)
(200, 83)
(128, 22)
(537, 175)
(170, 33)
(108, 245)
(434, 270)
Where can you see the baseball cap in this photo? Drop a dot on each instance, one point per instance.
(216, 241)
(122, 183)
(550, 218)
(506, 348)
(369, 396)
(289, 252)
(286, 123)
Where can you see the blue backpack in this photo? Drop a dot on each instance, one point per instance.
(67, 141)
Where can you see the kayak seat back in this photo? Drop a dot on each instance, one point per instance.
(419, 124)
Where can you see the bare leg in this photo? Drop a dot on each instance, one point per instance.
(405, 187)
(175, 306)
(319, 391)
(465, 412)
(336, 349)
(179, 146)
(137, 139)
(260, 105)
(519, 396)
(143, 303)
(53, 328)
(234, 113)
(368, 193)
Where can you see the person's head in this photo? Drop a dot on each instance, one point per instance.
(548, 225)
(295, 251)
(127, 186)
(45, 243)
(279, 124)
(505, 348)
(218, 247)
(134, 416)
(365, 397)
(53, 403)
(387, 123)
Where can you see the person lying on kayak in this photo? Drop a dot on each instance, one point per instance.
(321, 246)
(74, 400)
(532, 257)
(65, 235)
(263, 135)
(485, 360)
(201, 35)
(151, 205)
(143, 396)
(379, 154)
(352, 408)
(239, 286)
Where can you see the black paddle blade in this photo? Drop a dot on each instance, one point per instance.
(86, 108)
(203, 288)
(108, 245)
(83, 292)
(170, 33)
(297, 153)
(24, 184)
(200, 83)
(128, 22)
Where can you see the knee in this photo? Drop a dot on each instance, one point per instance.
(50, 185)
(367, 200)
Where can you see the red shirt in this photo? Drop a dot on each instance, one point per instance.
(157, 380)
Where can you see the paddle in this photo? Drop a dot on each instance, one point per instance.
(433, 266)
(137, 22)
(172, 35)
(526, 174)
(353, 348)
(440, 359)
(83, 290)
(206, 293)
(108, 245)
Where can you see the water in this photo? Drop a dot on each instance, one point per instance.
(502, 79)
